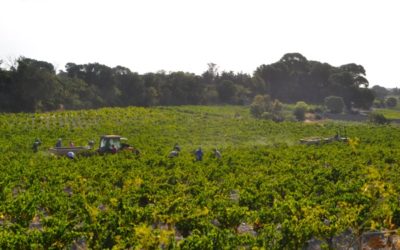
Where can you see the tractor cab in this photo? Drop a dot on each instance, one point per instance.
(107, 141)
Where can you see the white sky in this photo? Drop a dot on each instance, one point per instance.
(185, 35)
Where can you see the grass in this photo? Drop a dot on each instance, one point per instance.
(389, 113)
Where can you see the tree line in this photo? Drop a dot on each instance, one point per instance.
(31, 85)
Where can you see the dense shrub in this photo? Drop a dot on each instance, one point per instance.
(379, 103)
(300, 110)
(334, 104)
(266, 116)
(391, 102)
(263, 107)
(260, 105)
(316, 110)
(378, 118)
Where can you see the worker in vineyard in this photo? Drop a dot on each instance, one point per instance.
(59, 144)
(336, 135)
(71, 155)
(113, 149)
(173, 153)
(217, 154)
(177, 147)
(71, 144)
(136, 151)
(199, 154)
(36, 144)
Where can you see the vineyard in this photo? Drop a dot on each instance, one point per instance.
(267, 191)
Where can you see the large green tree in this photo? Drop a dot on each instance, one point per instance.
(293, 78)
(130, 84)
(35, 85)
(32, 85)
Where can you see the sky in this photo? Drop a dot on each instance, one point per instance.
(186, 35)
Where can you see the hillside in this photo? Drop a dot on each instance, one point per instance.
(266, 191)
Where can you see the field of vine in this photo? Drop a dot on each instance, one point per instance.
(267, 191)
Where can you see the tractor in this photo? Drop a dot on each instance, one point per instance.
(108, 144)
